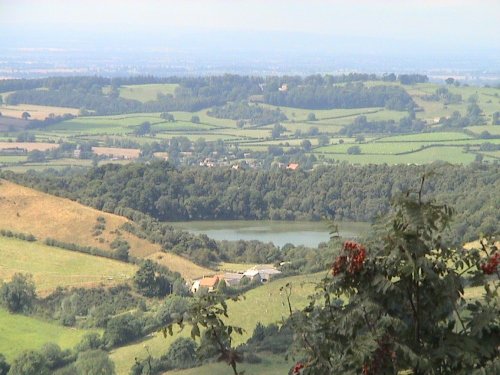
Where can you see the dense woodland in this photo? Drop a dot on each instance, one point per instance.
(101, 96)
(344, 192)
(246, 113)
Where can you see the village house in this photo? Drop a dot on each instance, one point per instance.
(292, 166)
(207, 282)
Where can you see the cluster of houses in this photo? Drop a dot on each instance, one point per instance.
(262, 274)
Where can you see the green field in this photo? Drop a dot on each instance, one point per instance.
(271, 365)
(52, 267)
(145, 93)
(12, 159)
(454, 155)
(384, 148)
(19, 332)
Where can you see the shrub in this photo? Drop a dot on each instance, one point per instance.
(18, 295)
(94, 362)
(122, 329)
(29, 362)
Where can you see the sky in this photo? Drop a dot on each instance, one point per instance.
(424, 20)
(292, 29)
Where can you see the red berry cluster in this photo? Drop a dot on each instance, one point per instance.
(296, 369)
(491, 265)
(353, 261)
(382, 358)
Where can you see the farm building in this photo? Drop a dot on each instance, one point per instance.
(207, 282)
(262, 274)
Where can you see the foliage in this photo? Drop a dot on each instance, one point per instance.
(18, 295)
(253, 114)
(91, 341)
(354, 150)
(4, 366)
(151, 281)
(326, 96)
(167, 194)
(29, 363)
(94, 362)
(182, 353)
(54, 356)
(398, 304)
(172, 309)
(94, 307)
(207, 313)
(122, 329)
(362, 125)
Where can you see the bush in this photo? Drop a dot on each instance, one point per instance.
(19, 294)
(122, 329)
(398, 303)
(29, 362)
(172, 308)
(4, 366)
(354, 150)
(182, 353)
(150, 280)
(94, 362)
(91, 341)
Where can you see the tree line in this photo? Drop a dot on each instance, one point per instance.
(343, 192)
(196, 93)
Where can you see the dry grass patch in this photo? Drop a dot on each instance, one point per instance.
(37, 112)
(126, 153)
(29, 146)
(182, 265)
(29, 211)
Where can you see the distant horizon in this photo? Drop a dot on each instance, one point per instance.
(258, 37)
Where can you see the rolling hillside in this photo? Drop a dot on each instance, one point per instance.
(265, 304)
(29, 211)
(19, 332)
(52, 267)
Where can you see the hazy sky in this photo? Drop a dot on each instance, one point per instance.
(457, 24)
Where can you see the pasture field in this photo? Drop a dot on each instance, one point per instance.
(450, 154)
(52, 267)
(19, 332)
(148, 92)
(118, 124)
(29, 211)
(37, 112)
(12, 159)
(330, 121)
(270, 365)
(492, 129)
(242, 313)
(427, 137)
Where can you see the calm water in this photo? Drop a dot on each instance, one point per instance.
(278, 232)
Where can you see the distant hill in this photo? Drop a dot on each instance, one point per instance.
(28, 211)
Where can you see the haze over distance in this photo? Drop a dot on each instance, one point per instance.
(117, 38)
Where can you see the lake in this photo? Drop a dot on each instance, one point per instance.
(278, 232)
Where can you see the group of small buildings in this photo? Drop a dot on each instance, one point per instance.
(233, 279)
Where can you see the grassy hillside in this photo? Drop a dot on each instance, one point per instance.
(265, 304)
(29, 211)
(19, 332)
(52, 267)
(271, 365)
(148, 92)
